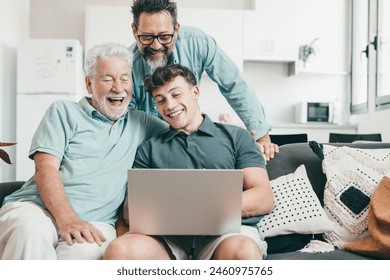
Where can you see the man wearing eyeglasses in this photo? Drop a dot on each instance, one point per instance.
(161, 41)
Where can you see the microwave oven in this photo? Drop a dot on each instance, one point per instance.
(314, 112)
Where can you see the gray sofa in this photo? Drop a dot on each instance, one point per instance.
(290, 157)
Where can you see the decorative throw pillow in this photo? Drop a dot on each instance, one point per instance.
(377, 243)
(352, 176)
(296, 208)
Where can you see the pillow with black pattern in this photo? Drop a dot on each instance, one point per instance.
(352, 176)
(296, 208)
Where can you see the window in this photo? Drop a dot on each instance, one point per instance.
(382, 100)
(360, 54)
(370, 54)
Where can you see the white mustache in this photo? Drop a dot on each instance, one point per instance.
(116, 95)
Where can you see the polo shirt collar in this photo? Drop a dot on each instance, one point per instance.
(207, 127)
(87, 108)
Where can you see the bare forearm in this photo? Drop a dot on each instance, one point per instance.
(52, 192)
(257, 198)
(255, 202)
(53, 195)
(51, 188)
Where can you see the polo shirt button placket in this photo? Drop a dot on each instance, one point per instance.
(190, 142)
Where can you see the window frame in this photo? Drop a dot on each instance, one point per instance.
(362, 107)
(382, 101)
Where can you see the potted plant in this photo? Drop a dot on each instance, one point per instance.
(306, 51)
(3, 154)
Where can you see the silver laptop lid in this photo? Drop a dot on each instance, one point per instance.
(185, 201)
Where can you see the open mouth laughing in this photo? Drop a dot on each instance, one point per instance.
(175, 114)
(115, 100)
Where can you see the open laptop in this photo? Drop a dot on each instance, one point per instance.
(185, 201)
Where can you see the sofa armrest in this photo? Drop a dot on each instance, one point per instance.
(9, 187)
(290, 157)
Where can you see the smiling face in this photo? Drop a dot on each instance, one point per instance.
(177, 102)
(159, 23)
(110, 87)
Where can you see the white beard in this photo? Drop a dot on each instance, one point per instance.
(153, 64)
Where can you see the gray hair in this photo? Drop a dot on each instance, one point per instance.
(104, 51)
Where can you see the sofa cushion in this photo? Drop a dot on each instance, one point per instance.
(287, 243)
(7, 188)
(333, 255)
(296, 208)
(352, 176)
(377, 243)
(290, 157)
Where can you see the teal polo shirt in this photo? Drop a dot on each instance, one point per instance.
(212, 146)
(95, 155)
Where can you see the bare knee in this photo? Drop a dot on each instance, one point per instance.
(135, 247)
(118, 248)
(237, 248)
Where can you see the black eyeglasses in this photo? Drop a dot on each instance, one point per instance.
(163, 39)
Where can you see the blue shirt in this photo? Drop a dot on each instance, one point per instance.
(200, 53)
(95, 155)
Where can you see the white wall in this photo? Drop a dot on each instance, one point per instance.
(276, 90)
(65, 19)
(327, 80)
(14, 17)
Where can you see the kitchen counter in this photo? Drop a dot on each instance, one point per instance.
(320, 125)
(317, 131)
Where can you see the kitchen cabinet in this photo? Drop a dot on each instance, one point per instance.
(269, 32)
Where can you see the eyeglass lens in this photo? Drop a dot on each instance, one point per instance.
(163, 39)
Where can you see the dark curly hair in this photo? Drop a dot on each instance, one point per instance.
(166, 74)
(153, 7)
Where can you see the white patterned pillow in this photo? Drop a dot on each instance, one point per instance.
(352, 176)
(296, 208)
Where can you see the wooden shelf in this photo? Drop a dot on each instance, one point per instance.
(294, 70)
(269, 59)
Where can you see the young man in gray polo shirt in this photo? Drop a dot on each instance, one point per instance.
(81, 152)
(194, 141)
